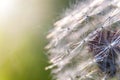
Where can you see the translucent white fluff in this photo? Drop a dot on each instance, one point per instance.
(68, 52)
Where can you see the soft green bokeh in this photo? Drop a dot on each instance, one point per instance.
(23, 38)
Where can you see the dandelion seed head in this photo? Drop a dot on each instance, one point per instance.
(105, 47)
(90, 26)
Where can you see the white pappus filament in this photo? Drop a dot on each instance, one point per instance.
(89, 25)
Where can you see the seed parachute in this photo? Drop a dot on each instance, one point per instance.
(85, 42)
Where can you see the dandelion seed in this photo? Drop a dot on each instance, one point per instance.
(85, 43)
(105, 47)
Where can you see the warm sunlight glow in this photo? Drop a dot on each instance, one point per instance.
(21, 25)
(6, 7)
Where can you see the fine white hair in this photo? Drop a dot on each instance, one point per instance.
(67, 50)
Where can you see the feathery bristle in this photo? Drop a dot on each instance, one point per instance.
(89, 27)
(105, 47)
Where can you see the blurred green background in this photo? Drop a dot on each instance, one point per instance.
(24, 25)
